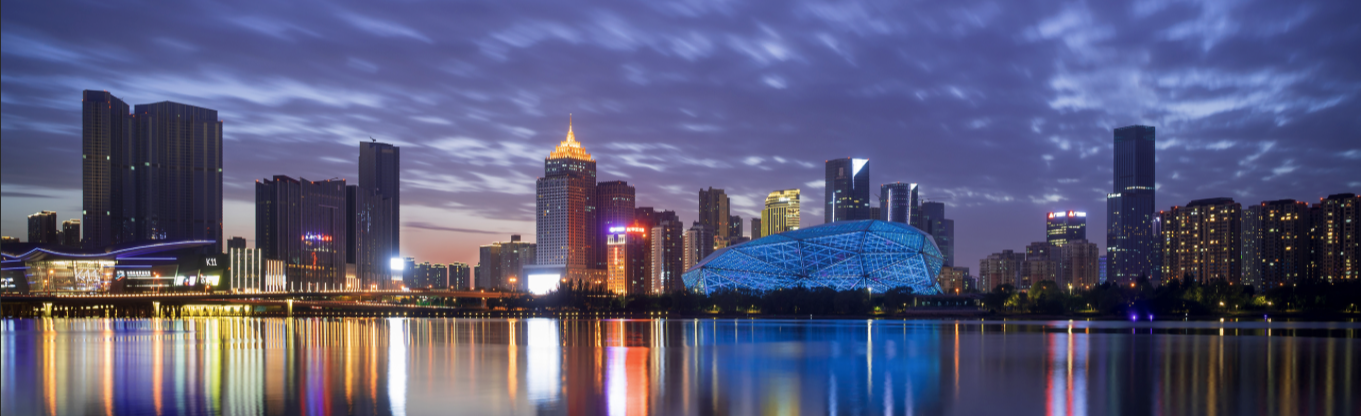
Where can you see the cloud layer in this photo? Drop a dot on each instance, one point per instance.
(1003, 110)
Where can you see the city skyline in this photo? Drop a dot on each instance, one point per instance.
(498, 137)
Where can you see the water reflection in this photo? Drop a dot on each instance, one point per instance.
(637, 367)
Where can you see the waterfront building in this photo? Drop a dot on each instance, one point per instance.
(1079, 264)
(1131, 245)
(565, 221)
(1285, 229)
(1062, 227)
(867, 255)
(696, 244)
(714, 213)
(460, 276)
(625, 274)
(953, 280)
(898, 202)
(999, 269)
(70, 233)
(781, 212)
(1203, 241)
(933, 221)
(615, 207)
(374, 213)
(108, 170)
(668, 253)
(503, 264)
(1039, 265)
(646, 218)
(1336, 247)
(153, 266)
(42, 228)
(847, 192)
(250, 271)
(1252, 245)
(303, 223)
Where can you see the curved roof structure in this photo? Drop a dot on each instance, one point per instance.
(52, 252)
(843, 255)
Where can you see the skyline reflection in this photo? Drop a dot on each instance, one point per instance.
(637, 367)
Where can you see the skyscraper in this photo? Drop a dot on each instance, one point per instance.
(42, 228)
(615, 207)
(565, 225)
(375, 207)
(1203, 241)
(715, 215)
(999, 269)
(1040, 264)
(898, 202)
(933, 221)
(781, 212)
(503, 264)
(627, 248)
(696, 248)
(303, 223)
(1252, 245)
(152, 175)
(668, 252)
(460, 276)
(756, 227)
(1337, 229)
(735, 230)
(1079, 264)
(1062, 227)
(70, 233)
(236, 242)
(1130, 241)
(108, 171)
(847, 192)
(646, 218)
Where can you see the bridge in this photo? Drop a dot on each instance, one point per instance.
(322, 302)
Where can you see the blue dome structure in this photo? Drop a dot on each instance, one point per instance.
(843, 255)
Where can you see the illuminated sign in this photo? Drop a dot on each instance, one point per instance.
(316, 237)
(628, 230)
(134, 274)
(212, 261)
(211, 280)
(396, 264)
(542, 284)
(87, 274)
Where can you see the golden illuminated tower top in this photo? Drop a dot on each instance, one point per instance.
(570, 148)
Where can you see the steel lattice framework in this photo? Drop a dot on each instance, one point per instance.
(843, 255)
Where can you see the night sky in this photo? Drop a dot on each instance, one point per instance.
(1002, 110)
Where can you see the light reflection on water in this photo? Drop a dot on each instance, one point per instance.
(636, 367)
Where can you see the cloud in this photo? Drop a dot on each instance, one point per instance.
(432, 227)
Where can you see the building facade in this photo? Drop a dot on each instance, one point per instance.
(250, 271)
(615, 208)
(70, 233)
(1040, 265)
(1286, 228)
(375, 214)
(756, 227)
(1203, 241)
(565, 225)
(460, 276)
(303, 223)
(696, 244)
(933, 221)
(668, 252)
(42, 228)
(1079, 263)
(1336, 233)
(1062, 227)
(847, 192)
(714, 213)
(628, 251)
(1131, 246)
(781, 212)
(108, 170)
(999, 269)
(898, 202)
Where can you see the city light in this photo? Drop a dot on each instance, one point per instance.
(397, 264)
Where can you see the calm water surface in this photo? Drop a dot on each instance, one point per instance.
(700, 367)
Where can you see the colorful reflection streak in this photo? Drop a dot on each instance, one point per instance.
(240, 366)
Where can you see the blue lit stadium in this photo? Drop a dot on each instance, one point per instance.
(843, 255)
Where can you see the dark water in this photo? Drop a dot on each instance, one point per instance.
(701, 367)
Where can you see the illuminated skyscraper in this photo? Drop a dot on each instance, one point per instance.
(847, 192)
(625, 272)
(781, 212)
(1337, 229)
(1130, 241)
(1285, 229)
(70, 233)
(303, 223)
(614, 208)
(668, 252)
(375, 207)
(1203, 241)
(108, 171)
(696, 248)
(715, 215)
(1062, 227)
(565, 223)
(42, 228)
(898, 203)
(1252, 245)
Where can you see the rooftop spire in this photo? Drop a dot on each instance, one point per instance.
(570, 148)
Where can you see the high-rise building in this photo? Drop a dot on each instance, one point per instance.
(155, 174)
(668, 252)
(1252, 245)
(108, 170)
(1079, 264)
(1102, 260)
(876, 213)
(430, 276)
(898, 203)
(932, 220)
(488, 266)
(565, 224)
(735, 230)
(999, 269)
(696, 246)
(8, 240)
(847, 192)
(303, 223)
(70, 233)
(625, 274)
(1203, 241)
(615, 207)
(756, 227)
(503, 264)
(646, 218)
(460, 276)
(781, 212)
(1062, 227)
(236, 242)
(42, 228)
(1131, 246)
(374, 209)
(953, 280)
(1337, 251)
(251, 271)
(1285, 229)
(714, 213)
(1039, 265)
